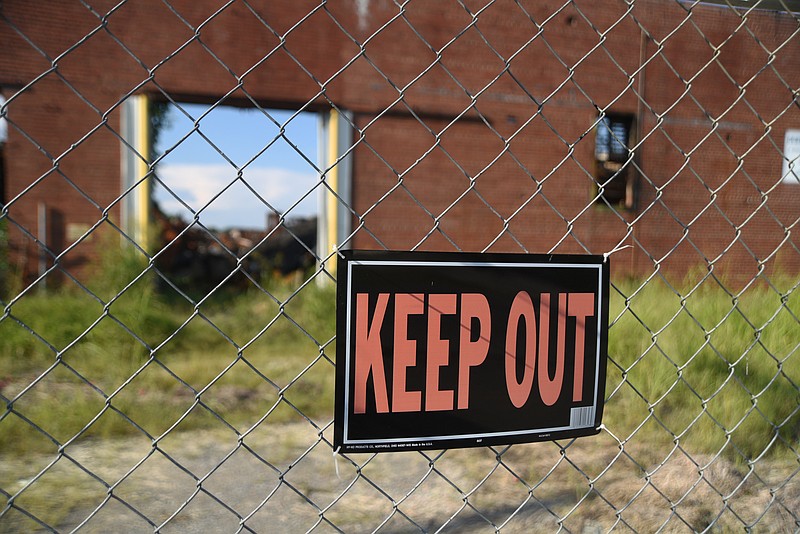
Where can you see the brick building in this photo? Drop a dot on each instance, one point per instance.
(503, 126)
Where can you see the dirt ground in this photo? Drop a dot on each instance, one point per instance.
(285, 478)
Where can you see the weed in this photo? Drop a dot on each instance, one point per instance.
(75, 367)
(707, 370)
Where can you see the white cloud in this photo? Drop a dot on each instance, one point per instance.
(237, 206)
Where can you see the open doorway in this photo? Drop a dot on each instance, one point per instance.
(236, 167)
(234, 188)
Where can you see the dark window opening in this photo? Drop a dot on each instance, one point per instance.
(613, 175)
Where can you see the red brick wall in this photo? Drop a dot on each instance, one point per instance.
(505, 130)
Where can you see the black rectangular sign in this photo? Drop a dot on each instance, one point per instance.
(441, 350)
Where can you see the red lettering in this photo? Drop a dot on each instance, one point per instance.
(405, 352)
(550, 389)
(473, 353)
(578, 305)
(369, 354)
(438, 352)
(581, 306)
(522, 306)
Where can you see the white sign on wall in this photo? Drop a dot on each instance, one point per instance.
(791, 157)
(3, 123)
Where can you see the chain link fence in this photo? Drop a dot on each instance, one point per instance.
(162, 374)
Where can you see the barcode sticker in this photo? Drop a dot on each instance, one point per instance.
(581, 417)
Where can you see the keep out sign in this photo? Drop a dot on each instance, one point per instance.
(440, 350)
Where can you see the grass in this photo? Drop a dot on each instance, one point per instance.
(73, 366)
(706, 370)
(694, 367)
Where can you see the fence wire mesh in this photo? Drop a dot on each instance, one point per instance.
(183, 381)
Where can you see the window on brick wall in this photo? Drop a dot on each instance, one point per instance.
(614, 177)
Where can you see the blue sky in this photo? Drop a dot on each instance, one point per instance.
(196, 171)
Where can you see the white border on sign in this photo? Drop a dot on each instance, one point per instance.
(539, 431)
